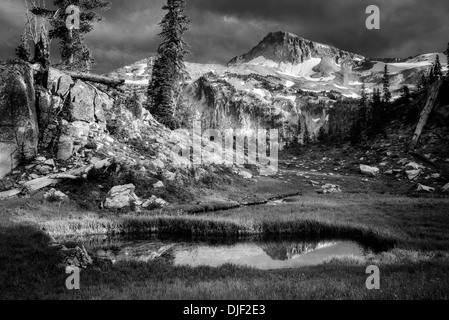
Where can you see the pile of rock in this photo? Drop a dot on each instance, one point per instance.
(54, 195)
(73, 257)
(329, 188)
(413, 170)
(41, 166)
(121, 197)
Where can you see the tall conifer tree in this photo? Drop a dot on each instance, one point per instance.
(74, 52)
(437, 69)
(169, 69)
(386, 86)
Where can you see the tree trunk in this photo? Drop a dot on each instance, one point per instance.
(70, 59)
(95, 78)
(42, 56)
(431, 100)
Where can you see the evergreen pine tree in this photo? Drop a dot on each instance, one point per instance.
(307, 139)
(169, 69)
(376, 113)
(323, 136)
(431, 78)
(406, 93)
(74, 52)
(423, 83)
(23, 51)
(437, 69)
(447, 59)
(363, 111)
(386, 86)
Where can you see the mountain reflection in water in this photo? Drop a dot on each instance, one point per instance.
(266, 256)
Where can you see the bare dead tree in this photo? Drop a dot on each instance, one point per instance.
(37, 31)
(34, 23)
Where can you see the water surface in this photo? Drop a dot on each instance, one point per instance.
(263, 254)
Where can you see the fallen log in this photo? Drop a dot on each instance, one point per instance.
(96, 78)
(9, 194)
(431, 101)
(53, 179)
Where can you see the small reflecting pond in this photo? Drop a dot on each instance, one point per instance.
(259, 253)
(266, 256)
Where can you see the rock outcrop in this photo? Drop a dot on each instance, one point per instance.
(369, 171)
(121, 197)
(18, 118)
(252, 102)
(71, 114)
(285, 47)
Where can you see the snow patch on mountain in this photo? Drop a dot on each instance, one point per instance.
(289, 84)
(339, 87)
(304, 69)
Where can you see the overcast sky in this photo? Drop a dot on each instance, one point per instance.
(223, 29)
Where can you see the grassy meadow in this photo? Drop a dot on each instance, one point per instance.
(412, 231)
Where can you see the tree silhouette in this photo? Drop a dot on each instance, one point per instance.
(169, 69)
(386, 86)
(74, 52)
(437, 69)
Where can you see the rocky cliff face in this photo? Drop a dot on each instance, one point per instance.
(252, 102)
(70, 121)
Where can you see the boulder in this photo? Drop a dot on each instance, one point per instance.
(121, 197)
(245, 174)
(102, 103)
(88, 104)
(18, 119)
(242, 173)
(413, 166)
(158, 185)
(412, 174)
(59, 83)
(44, 102)
(421, 187)
(65, 148)
(446, 188)
(82, 107)
(154, 202)
(169, 176)
(54, 195)
(370, 171)
(74, 257)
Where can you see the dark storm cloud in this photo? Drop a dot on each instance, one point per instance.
(222, 29)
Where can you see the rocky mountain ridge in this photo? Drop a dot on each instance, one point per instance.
(286, 82)
(285, 47)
